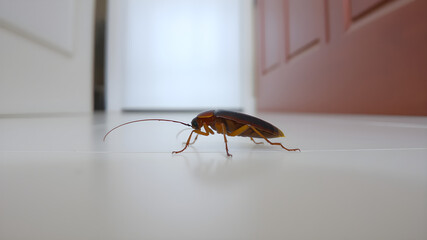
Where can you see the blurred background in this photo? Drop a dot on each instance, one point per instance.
(71, 70)
(323, 56)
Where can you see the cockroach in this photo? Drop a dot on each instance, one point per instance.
(228, 123)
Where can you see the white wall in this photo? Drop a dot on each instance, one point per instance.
(46, 56)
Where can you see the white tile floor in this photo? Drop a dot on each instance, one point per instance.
(357, 177)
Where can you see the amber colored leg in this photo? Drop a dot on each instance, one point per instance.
(208, 131)
(186, 144)
(224, 132)
(239, 131)
(256, 142)
(289, 149)
(194, 139)
(189, 138)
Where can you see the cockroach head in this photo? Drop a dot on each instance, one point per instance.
(195, 124)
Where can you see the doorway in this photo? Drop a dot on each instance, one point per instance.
(180, 55)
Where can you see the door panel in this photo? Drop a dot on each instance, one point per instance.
(46, 56)
(33, 19)
(272, 35)
(310, 30)
(359, 57)
(362, 7)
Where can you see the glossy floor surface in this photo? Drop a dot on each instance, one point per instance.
(357, 177)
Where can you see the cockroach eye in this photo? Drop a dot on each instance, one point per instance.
(194, 124)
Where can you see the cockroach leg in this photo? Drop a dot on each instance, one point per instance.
(189, 138)
(207, 129)
(272, 143)
(224, 132)
(194, 139)
(186, 145)
(256, 142)
(239, 131)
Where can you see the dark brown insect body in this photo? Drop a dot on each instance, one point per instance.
(228, 123)
(234, 121)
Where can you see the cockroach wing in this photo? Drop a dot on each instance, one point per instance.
(235, 120)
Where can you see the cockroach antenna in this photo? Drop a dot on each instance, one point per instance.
(143, 120)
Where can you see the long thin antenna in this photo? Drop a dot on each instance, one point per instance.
(143, 120)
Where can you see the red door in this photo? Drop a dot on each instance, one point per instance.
(342, 56)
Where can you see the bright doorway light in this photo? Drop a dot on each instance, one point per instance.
(183, 55)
